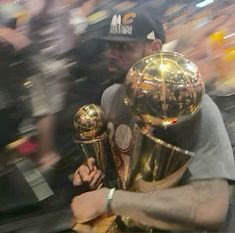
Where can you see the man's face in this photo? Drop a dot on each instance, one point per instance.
(122, 55)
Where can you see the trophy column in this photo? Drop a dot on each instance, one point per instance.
(92, 139)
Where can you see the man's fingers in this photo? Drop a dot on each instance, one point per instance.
(88, 173)
(87, 177)
(77, 180)
(81, 175)
(91, 164)
(100, 183)
(96, 179)
(100, 186)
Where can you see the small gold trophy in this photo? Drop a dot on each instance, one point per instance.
(90, 134)
(163, 90)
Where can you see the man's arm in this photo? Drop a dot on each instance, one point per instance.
(199, 205)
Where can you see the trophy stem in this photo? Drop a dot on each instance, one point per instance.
(96, 150)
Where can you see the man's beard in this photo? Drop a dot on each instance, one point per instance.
(117, 73)
(118, 76)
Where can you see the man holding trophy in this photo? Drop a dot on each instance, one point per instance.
(168, 142)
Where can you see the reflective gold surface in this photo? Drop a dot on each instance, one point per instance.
(89, 122)
(156, 164)
(164, 89)
(98, 225)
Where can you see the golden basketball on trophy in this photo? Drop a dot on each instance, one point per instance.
(89, 122)
(164, 89)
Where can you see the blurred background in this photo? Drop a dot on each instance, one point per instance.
(50, 65)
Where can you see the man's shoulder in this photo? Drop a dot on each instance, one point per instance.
(210, 111)
(110, 93)
(207, 101)
(110, 98)
(112, 90)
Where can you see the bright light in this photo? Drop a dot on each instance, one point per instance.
(230, 35)
(163, 67)
(204, 3)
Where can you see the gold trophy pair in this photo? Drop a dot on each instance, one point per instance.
(163, 90)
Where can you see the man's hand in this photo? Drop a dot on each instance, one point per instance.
(88, 174)
(90, 205)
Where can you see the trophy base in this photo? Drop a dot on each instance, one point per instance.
(98, 225)
(113, 224)
(125, 224)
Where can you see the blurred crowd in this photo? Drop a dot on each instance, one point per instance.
(205, 35)
(51, 63)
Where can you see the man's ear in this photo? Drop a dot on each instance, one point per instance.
(154, 47)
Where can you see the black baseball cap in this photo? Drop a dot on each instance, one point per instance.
(136, 24)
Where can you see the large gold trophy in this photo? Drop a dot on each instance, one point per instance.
(163, 90)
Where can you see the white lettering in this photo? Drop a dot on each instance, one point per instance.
(117, 28)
